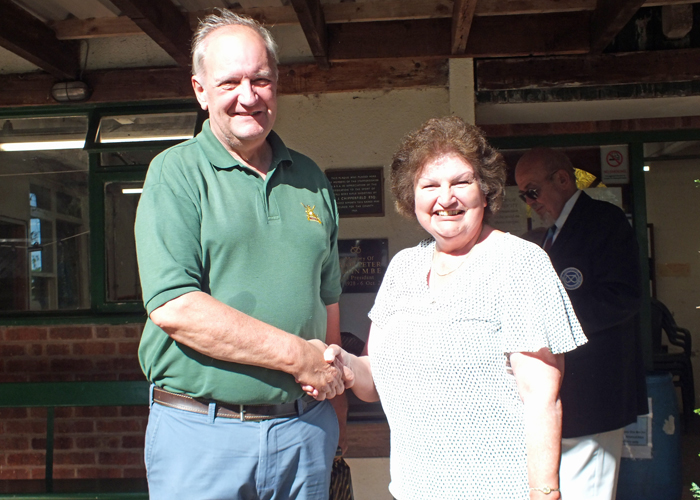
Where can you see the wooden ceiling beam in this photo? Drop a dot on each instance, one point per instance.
(608, 18)
(128, 85)
(103, 27)
(311, 19)
(383, 39)
(518, 7)
(661, 3)
(546, 34)
(387, 10)
(29, 38)
(164, 23)
(346, 12)
(530, 35)
(338, 13)
(462, 17)
(591, 70)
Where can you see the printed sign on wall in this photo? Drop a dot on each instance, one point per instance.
(614, 164)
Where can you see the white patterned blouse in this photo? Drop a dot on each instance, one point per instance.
(440, 364)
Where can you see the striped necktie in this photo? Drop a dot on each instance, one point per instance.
(549, 239)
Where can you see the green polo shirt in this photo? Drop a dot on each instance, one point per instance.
(266, 247)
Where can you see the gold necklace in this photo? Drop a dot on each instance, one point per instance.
(449, 272)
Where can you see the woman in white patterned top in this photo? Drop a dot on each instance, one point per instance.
(468, 331)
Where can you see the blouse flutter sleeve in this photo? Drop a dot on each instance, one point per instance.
(535, 308)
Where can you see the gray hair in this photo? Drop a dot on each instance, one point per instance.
(224, 18)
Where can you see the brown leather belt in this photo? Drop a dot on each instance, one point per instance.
(242, 412)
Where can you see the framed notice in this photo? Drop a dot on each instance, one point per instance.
(359, 192)
(362, 264)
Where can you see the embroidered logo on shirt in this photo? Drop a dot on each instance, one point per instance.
(571, 278)
(310, 215)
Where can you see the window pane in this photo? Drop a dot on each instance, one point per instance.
(68, 204)
(41, 255)
(121, 200)
(45, 133)
(141, 128)
(44, 244)
(39, 197)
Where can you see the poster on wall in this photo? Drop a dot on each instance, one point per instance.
(359, 192)
(363, 263)
(512, 217)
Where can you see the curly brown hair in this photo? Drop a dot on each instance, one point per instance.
(441, 136)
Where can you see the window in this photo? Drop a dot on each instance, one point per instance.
(121, 200)
(44, 223)
(144, 128)
(69, 188)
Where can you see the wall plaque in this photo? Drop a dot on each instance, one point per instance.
(359, 192)
(362, 264)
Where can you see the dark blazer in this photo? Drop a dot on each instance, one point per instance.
(597, 259)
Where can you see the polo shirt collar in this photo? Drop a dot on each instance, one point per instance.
(220, 158)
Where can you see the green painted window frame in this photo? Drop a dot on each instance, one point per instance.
(100, 311)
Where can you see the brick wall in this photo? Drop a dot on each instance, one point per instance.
(89, 442)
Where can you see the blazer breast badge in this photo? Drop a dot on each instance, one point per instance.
(310, 215)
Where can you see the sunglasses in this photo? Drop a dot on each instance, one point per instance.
(532, 194)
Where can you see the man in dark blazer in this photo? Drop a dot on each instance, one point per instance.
(593, 249)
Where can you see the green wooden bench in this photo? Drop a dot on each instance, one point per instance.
(51, 395)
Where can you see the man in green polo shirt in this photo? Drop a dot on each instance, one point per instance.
(237, 249)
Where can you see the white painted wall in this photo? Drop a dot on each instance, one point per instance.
(673, 206)
(363, 129)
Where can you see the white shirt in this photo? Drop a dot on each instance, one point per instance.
(565, 213)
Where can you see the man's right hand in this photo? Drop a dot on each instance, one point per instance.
(336, 356)
(321, 379)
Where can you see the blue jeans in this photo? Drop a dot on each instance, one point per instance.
(196, 457)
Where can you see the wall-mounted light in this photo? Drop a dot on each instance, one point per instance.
(75, 91)
(647, 168)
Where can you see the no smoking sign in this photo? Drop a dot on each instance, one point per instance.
(614, 158)
(614, 164)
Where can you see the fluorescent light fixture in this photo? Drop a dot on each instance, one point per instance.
(146, 139)
(41, 146)
(132, 190)
(647, 168)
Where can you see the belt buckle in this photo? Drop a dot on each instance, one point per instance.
(241, 412)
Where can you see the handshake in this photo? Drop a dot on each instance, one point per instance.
(330, 376)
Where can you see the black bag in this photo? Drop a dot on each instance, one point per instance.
(341, 483)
